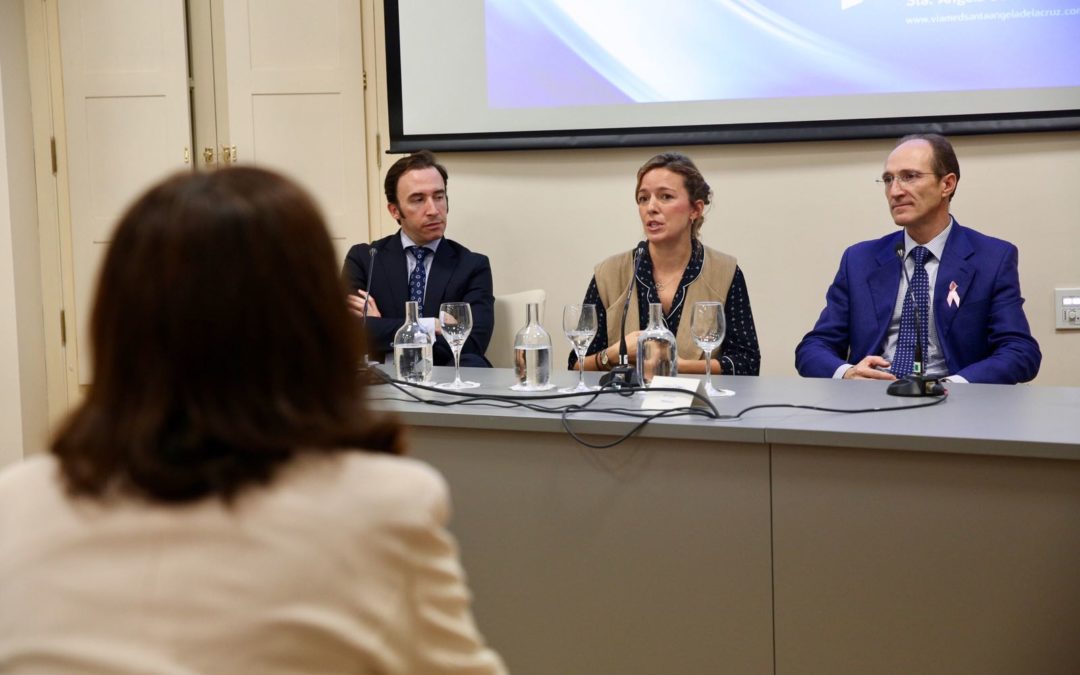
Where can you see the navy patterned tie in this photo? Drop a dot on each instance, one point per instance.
(904, 359)
(418, 278)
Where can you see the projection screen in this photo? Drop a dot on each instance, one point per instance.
(513, 74)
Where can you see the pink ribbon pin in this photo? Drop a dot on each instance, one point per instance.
(953, 299)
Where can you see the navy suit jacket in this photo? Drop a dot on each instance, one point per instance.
(985, 338)
(457, 275)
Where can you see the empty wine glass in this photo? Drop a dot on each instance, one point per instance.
(707, 327)
(456, 320)
(579, 324)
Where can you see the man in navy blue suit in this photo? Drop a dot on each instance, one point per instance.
(975, 329)
(416, 197)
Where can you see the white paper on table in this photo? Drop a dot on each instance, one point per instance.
(669, 400)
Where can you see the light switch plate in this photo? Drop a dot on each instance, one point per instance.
(1067, 308)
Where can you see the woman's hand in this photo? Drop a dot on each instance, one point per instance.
(592, 363)
(631, 348)
(697, 366)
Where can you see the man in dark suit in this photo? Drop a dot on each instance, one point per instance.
(448, 272)
(973, 324)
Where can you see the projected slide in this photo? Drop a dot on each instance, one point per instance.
(476, 74)
(558, 53)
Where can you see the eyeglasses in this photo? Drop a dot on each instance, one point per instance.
(904, 177)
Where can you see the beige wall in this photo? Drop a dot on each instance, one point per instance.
(785, 210)
(10, 409)
(25, 389)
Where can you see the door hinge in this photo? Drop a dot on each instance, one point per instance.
(365, 80)
(52, 153)
(63, 329)
(378, 150)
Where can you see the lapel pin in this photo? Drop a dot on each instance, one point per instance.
(953, 298)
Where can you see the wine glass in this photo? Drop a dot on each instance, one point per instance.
(707, 327)
(579, 324)
(456, 320)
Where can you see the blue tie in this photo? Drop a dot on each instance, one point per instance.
(418, 278)
(904, 359)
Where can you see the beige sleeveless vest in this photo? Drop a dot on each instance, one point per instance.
(613, 281)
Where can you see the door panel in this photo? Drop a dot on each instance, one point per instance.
(297, 35)
(126, 114)
(287, 89)
(294, 90)
(122, 149)
(317, 157)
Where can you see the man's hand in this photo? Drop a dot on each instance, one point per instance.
(362, 303)
(870, 368)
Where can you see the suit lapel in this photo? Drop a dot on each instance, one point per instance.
(442, 266)
(395, 275)
(884, 284)
(955, 267)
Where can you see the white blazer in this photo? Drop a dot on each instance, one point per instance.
(342, 565)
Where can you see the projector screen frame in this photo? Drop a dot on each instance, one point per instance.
(719, 134)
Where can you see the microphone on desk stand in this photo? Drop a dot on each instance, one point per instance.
(625, 375)
(916, 383)
(367, 370)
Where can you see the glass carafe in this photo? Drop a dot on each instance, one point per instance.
(412, 347)
(656, 352)
(532, 353)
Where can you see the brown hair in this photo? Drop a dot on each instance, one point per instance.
(944, 159)
(421, 159)
(695, 184)
(221, 348)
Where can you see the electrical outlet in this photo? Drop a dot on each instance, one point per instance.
(1067, 308)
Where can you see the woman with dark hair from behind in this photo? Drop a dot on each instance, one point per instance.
(221, 501)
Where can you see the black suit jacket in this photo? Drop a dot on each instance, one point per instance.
(457, 275)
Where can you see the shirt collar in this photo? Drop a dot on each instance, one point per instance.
(406, 242)
(936, 246)
(645, 266)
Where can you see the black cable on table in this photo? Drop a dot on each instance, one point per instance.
(565, 412)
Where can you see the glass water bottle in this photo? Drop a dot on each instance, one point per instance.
(412, 347)
(656, 353)
(532, 352)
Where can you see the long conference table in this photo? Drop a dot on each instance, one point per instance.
(943, 539)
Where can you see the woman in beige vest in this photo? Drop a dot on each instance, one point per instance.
(221, 501)
(676, 270)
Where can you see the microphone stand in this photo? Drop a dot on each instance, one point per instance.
(367, 372)
(624, 375)
(915, 383)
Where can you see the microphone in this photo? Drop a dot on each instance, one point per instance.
(916, 383)
(367, 298)
(367, 370)
(625, 375)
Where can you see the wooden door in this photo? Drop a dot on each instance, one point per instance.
(290, 96)
(287, 92)
(127, 122)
